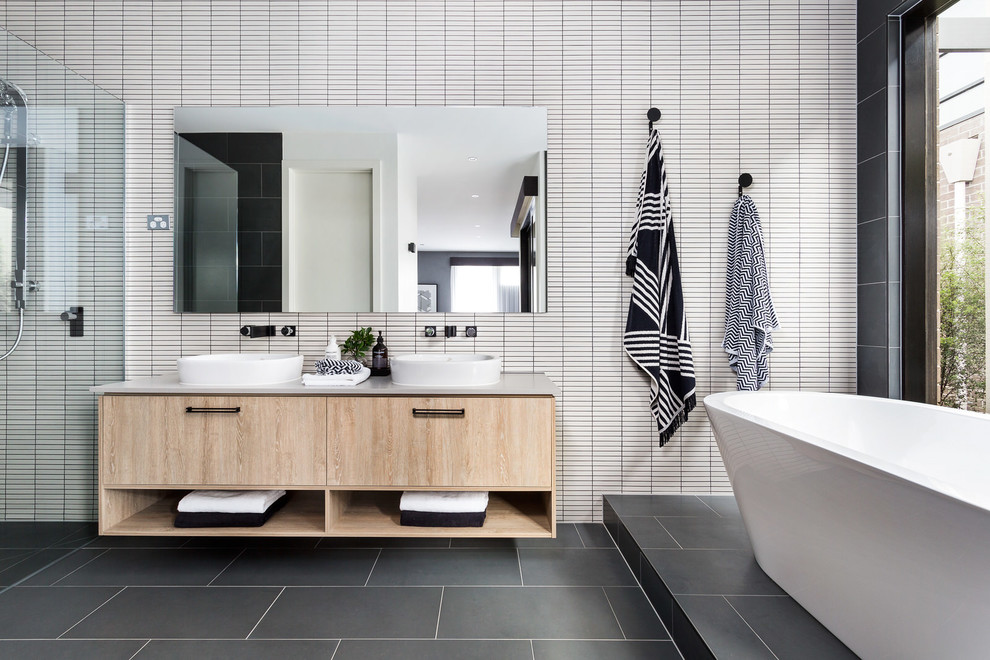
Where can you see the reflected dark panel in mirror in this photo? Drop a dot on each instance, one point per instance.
(228, 222)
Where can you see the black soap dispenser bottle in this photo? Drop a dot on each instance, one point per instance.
(379, 358)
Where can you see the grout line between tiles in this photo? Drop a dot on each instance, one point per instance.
(236, 557)
(522, 582)
(616, 616)
(77, 568)
(141, 649)
(659, 522)
(336, 648)
(749, 626)
(122, 589)
(262, 618)
(377, 557)
(532, 649)
(709, 507)
(436, 633)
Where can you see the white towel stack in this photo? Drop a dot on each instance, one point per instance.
(339, 380)
(229, 501)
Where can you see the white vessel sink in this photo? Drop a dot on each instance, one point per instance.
(446, 369)
(240, 369)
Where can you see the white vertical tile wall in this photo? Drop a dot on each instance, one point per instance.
(765, 87)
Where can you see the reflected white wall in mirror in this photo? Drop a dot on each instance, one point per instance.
(445, 187)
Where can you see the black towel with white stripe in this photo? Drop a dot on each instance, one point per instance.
(656, 336)
(749, 312)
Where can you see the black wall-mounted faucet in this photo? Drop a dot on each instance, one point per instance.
(75, 318)
(254, 331)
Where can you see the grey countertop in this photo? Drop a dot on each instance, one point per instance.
(168, 383)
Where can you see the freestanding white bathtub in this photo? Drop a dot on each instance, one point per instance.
(873, 514)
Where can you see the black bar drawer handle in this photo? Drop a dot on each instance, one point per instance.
(438, 412)
(190, 409)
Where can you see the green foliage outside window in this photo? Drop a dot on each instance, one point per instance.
(962, 275)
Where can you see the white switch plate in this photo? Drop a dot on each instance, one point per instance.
(158, 221)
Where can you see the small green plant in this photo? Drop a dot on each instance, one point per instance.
(358, 344)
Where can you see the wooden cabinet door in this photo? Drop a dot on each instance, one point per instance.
(213, 440)
(470, 442)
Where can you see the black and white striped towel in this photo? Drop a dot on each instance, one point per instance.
(749, 313)
(328, 367)
(656, 336)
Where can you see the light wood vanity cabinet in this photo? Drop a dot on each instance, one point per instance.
(483, 442)
(224, 441)
(344, 458)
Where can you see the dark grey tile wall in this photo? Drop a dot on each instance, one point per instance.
(878, 304)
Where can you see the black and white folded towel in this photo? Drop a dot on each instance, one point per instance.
(328, 367)
(221, 519)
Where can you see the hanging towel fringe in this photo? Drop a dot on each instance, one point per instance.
(656, 336)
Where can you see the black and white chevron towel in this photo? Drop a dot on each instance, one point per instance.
(656, 336)
(749, 313)
(327, 367)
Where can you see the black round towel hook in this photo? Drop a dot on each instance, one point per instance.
(653, 114)
(745, 181)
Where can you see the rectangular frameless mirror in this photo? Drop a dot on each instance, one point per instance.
(360, 209)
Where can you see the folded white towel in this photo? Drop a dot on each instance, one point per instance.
(444, 501)
(340, 380)
(229, 501)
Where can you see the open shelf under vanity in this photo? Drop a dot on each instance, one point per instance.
(320, 512)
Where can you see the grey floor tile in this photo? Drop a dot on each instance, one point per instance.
(36, 534)
(177, 612)
(721, 628)
(384, 542)
(434, 649)
(788, 629)
(597, 650)
(138, 542)
(567, 537)
(709, 572)
(10, 556)
(303, 568)
(425, 567)
(577, 567)
(659, 505)
(229, 649)
(352, 612)
(152, 567)
(595, 535)
(255, 542)
(68, 562)
(647, 532)
(636, 616)
(80, 537)
(38, 560)
(708, 533)
(527, 613)
(724, 505)
(69, 649)
(47, 612)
